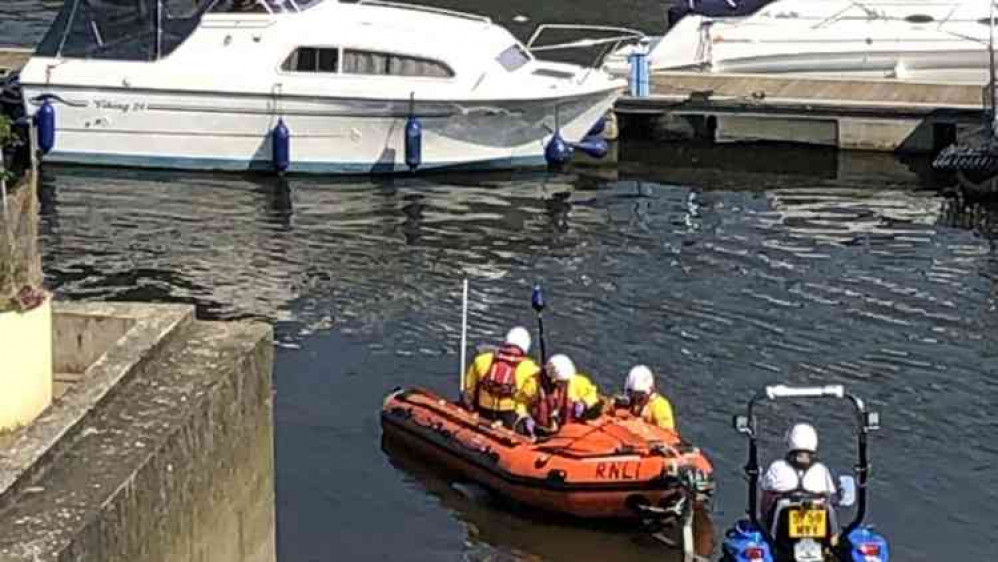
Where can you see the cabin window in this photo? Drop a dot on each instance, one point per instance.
(513, 58)
(313, 59)
(385, 64)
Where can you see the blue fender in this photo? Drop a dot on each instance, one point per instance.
(866, 545)
(594, 146)
(45, 121)
(281, 141)
(413, 142)
(557, 152)
(744, 539)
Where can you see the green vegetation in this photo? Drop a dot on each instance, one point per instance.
(20, 261)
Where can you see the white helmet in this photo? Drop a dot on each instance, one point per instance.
(640, 379)
(520, 337)
(802, 437)
(561, 368)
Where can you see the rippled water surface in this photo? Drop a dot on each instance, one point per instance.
(724, 273)
(725, 269)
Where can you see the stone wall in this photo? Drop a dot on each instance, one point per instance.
(174, 463)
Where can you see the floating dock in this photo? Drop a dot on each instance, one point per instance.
(12, 59)
(879, 115)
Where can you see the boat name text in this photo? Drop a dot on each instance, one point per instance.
(122, 106)
(618, 470)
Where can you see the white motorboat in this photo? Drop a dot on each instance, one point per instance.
(906, 40)
(304, 85)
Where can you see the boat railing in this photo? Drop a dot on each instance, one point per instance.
(427, 9)
(871, 14)
(610, 43)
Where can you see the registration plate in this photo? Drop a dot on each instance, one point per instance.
(808, 523)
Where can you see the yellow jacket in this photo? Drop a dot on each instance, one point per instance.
(582, 389)
(658, 411)
(526, 372)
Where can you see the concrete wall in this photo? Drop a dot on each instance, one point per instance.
(82, 338)
(175, 463)
(25, 365)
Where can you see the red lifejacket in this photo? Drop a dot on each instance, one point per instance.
(500, 381)
(553, 405)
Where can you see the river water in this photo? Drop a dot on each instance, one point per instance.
(724, 268)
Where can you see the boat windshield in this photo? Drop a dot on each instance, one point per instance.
(716, 8)
(140, 30)
(262, 6)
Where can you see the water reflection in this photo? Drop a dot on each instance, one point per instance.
(724, 280)
(495, 527)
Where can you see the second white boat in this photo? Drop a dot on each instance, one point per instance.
(905, 40)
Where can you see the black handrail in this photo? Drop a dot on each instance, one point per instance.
(862, 468)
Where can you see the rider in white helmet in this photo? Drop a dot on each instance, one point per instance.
(495, 381)
(565, 395)
(798, 471)
(645, 402)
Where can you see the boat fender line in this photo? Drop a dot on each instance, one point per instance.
(506, 441)
(45, 122)
(280, 138)
(438, 428)
(413, 137)
(597, 128)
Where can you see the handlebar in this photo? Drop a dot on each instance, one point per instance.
(784, 391)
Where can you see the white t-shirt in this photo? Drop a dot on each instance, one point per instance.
(781, 477)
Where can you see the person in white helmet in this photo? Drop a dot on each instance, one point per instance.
(645, 402)
(563, 395)
(799, 470)
(495, 381)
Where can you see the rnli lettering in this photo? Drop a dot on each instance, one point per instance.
(618, 470)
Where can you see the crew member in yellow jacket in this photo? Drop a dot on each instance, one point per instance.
(563, 395)
(495, 384)
(645, 402)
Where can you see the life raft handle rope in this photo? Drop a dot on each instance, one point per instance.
(432, 405)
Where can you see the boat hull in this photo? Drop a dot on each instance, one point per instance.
(890, 40)
(232, 132)
(610, 486)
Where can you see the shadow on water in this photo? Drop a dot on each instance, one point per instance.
(762, 166)
(524, 534)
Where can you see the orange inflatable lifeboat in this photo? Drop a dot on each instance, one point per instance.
(616, 466)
